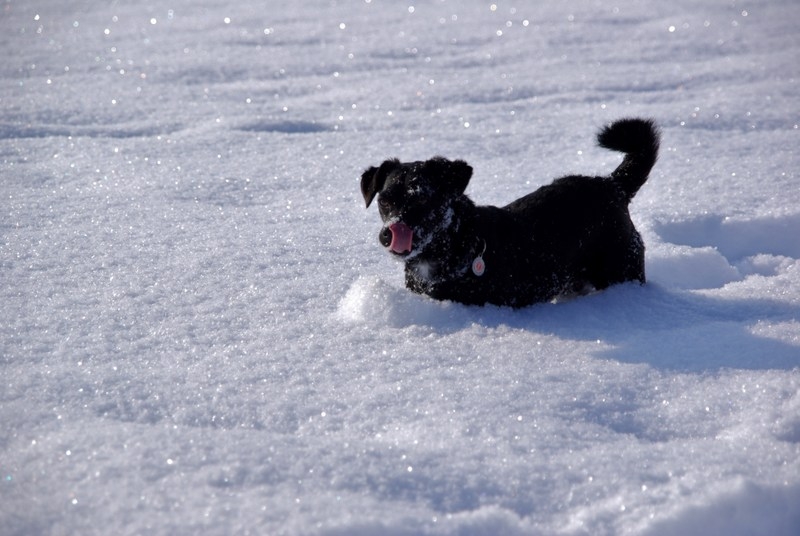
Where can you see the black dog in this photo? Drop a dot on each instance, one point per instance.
(568, 237)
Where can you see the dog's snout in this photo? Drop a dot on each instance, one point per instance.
(385, 237)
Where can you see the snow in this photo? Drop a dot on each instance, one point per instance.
(201, 334)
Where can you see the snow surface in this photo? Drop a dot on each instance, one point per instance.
(201, 334)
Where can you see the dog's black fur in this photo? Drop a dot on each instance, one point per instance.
(568, 237)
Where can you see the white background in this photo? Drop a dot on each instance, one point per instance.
(200, 333)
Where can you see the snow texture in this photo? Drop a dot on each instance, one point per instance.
(200, 333)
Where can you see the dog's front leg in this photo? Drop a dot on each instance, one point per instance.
(457, 290)
(415, 283)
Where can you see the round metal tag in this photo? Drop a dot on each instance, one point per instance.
(478, 266)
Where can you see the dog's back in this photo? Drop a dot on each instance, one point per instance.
(637, 138)
(583, 222)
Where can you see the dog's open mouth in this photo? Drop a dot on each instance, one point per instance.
(397, 237)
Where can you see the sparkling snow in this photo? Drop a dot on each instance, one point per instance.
(200, 333)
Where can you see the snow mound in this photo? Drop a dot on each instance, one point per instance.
(375, 302)
(690, 268)
(745, 509)
(737, 238)
(485, 521)
(712, 251)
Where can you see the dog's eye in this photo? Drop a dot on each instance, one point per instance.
(383, 202)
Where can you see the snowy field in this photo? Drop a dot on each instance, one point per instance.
(200, 333)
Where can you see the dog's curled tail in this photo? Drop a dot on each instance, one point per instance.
(639, 140)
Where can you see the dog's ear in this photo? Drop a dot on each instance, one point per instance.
(373, 179)
(455, 174)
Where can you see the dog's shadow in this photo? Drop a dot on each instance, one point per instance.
(676, 329)
(666, 328)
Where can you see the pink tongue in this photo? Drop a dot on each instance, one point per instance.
(401, 238)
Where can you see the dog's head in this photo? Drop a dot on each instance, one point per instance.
(413, 197)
